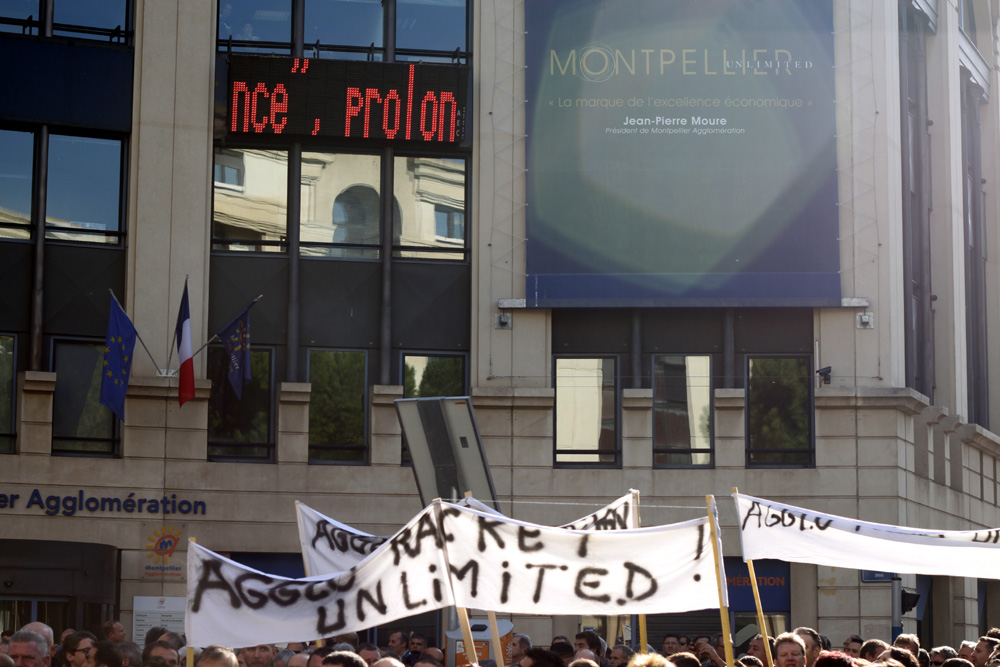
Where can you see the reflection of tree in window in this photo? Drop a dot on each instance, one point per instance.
(337, 406)
(240, 427)
(438, 376)
(79, 422)
(682, 410)
(779, 405)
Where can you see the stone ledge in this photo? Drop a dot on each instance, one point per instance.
(509, 397)
(889, 398)
(164, 386)
(385, 394)
(295, 392)
(978, 437)
(637, 399)
(730, 399)
(38, 381)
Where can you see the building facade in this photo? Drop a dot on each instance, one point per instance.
(392, 268)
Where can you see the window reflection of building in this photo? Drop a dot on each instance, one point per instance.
(586, 411)
(250, 215)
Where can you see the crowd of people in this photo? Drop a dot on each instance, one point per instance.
(34, 645)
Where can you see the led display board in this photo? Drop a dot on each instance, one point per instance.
(681, 153)
(366, 102)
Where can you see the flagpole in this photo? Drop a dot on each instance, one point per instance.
(723, 609)
(136, 331)
(760, 608)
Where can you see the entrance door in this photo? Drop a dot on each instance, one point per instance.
(16, 612)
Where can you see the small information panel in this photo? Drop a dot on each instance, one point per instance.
(150, 611)
(412, 103)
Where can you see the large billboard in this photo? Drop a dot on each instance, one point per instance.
(681, 152)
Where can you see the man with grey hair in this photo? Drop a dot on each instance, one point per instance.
(966, 650)
(518, 647)
(46, 632)
(29, 649)
(281, 658)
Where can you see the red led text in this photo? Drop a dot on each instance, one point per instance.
(437, 112)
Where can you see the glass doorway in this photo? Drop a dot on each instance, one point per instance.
(16, 612)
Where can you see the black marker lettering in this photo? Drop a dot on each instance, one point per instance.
(285, 593)
(582, 580)
(634, 569)
(750, 513)
(581, 551)
(406, 594)
(211, 577)
(377, 602)
(522, 539)
(538, 582)
(252, 597)
(325, 629)
(488, 526)
(473, 567)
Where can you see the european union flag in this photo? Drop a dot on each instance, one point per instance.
(235, 337)
(118, 345)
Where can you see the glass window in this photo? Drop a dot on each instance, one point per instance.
(69, 16)
(437, 25)
(682, 410)
(17, 12)
(586, 411)
(80, 424)
(15, 184)
(8, 379)
(240, 428)
(341, 207)
(430, 222)
(344, 22)
(779, 411)
(425, 376)
(84, 189)
(337, 406)
(255, 20)
(249, 215)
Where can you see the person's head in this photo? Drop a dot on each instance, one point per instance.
(388, 662)
(217, 656)
(900, 655)
(77, 648)
(671, 644)
(434, 654)
(872, 649)
(418, 643)
(343, 659)
(813, 642)
(163, 650)
(281, 657)
(426, 660)
(298, 660)
(131, 654)
(583, 662)
(261, 655)
(316, 658)
(834, 659)
(539, 657)
(685, 659)
(588, 639)
(789, 650)
(564, 650)
(45, 631)
(941, 653)
(910, 642)
(620, 655)
(174, 639)
(984, 648)
(105, 654)
(114, 631)
(651, 659)
(368, 652)
(519, 644)
(398, 642)
(751, 661)
(853, 644)
(153, 634)
(584, 654)
(29, 649)
(756, 647)
(957, 662)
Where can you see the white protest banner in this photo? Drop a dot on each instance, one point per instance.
(451, 555)
(331, 546)
(505, 565)
(773, 530)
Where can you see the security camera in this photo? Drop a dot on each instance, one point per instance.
(825, 373)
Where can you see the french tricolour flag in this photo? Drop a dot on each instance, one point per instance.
(186, 386)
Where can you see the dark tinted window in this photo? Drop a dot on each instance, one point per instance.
(240, 428)
(84, 189)
(15, 184)
(337, 406)
(80, 424)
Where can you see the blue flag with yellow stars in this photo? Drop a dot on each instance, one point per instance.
(118, 345)
(236, 337)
